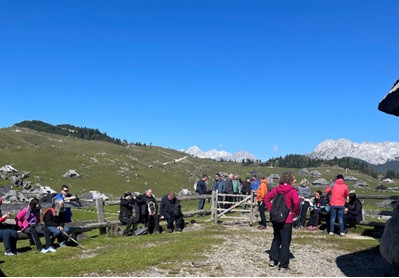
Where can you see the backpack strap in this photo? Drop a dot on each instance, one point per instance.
(47, 210)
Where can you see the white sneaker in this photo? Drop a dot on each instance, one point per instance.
(342, 234)
(331, 233)
(63, 244)
(9, 254)
(44, 251)
(51, 249)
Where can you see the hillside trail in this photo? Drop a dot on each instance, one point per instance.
(244, 254)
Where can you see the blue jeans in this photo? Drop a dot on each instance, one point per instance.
(334, 211)
(57, 233)
(201, 205)
(9, 237)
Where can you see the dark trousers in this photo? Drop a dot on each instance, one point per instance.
(170, 218)
(280, 249)
(349, 219)
(34, 233)
(315, 216)
(9, 237)
(304, 210)
(262, 212)
(152, 224)
(201, 205)
(129, 222)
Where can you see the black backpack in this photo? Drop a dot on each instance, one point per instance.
(279, 211)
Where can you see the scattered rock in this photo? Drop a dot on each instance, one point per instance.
(8, 169)
(71, 174)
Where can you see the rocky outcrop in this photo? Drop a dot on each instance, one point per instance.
(389, 243)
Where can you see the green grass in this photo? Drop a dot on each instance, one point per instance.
(116, 255)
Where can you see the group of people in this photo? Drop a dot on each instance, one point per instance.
(143, 208)
(339, 203)
(28, 220)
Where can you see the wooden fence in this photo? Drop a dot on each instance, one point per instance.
(221, 205)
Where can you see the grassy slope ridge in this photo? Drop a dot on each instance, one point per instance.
(113, 169)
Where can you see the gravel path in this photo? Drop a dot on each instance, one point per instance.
(242, 255)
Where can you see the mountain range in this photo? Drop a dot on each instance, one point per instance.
(373, 153)
(219, 155)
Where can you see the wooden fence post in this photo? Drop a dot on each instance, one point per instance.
(251, 219)
(216, 207)
(101, 214)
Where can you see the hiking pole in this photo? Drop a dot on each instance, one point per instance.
(69, 237)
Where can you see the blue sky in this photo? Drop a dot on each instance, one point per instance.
(268, 77)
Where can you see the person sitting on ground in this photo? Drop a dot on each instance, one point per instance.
(129, 213)
(9, 236)
(304, 194)
(171, 211)
(353, 210)
(54, 220)
(260, 194)
(28, 220)
(149, 212)
(318, 208)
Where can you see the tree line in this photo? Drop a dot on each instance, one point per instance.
(73, 131)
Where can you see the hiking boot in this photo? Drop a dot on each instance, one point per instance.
(262, 228)
(9, 254)
(179, 231)
(170, 231)
(51, 249)
(272, 263)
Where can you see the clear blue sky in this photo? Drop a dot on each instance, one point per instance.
(268, 77)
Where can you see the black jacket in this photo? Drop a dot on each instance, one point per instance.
(229, 186)
(246, 188)
(201, 187)
(144, 206)
(53, 220)
(129, 208)
(355, 210)
(171, 207)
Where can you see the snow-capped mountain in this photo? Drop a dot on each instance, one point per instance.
(218, 155)
(374, 153)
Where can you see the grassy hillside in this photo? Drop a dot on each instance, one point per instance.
(113, 169)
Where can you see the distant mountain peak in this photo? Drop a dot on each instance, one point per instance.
(218, 155)
(374, 153)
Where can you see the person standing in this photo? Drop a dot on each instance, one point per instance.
(280, 248)
(246, 190)
(201, 189)
(260, 195)
(304, 194)
(339, 192)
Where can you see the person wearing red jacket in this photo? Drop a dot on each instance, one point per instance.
(280, 248)
(339, 193)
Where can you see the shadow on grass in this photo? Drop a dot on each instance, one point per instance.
(1, 272)
(367, 263)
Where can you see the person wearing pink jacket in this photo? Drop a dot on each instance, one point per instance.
(28, 220)
(280, 248)
(339, 193)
